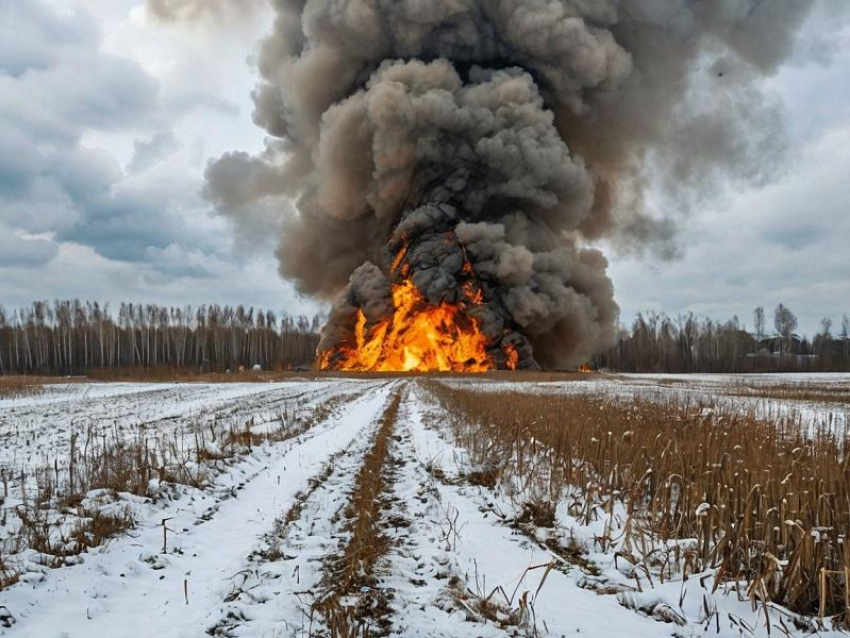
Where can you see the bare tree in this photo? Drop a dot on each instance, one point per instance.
(785, 323)
(74, 337)
(2, 330)
(759, 322)
(693, 344)
(823, 343)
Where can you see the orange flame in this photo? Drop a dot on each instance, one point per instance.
(513, 357)
(419, 337)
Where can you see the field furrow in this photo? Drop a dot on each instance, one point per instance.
(287, 572)
(185, 549)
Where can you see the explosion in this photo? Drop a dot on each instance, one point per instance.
(453, 162)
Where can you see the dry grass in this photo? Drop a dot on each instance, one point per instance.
(183, 375)
(170, 374)
(53, 517)
(766, 503)
(805, 392)
(165, 374)
(91, 527)
(353, 605)
(56, 516)
(8, 576)
(507, 610)
(31, 385)
(18, 387)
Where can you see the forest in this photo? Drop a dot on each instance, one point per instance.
(688, 343)
(75, 337)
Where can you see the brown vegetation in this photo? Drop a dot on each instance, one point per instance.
(766, 503)
(17, 387)
(114, 465)
(8, 576)
(166, 374)
(90, 528)
(351, 575)
(802, 392)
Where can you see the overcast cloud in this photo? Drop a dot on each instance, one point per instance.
(109, 117)
(107, 121)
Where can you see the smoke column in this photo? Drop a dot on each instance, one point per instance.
(497, 140)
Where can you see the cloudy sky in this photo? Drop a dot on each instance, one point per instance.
(108, 119)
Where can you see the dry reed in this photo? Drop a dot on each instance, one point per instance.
(804, 392)
(766, 503)
(19, 387)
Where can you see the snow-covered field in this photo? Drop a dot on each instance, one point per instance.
(247, 550)
(770, 395)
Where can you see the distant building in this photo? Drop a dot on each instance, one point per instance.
(794, 353)
(773, 345)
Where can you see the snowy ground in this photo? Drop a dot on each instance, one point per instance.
(247, 554)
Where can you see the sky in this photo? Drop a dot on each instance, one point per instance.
(108, 119)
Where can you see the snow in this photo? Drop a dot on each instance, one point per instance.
(491, 556)
(36, 431)
(245, 556)
(131, 589)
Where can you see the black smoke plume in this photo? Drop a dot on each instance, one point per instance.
(512, 134)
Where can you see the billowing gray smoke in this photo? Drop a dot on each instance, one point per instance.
(509, 133)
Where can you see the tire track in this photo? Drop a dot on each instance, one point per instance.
(114, 592)
(304, 578)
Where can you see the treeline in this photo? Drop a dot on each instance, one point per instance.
(74, 337)
(660, 343)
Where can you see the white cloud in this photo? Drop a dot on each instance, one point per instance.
(85, 89)
(784, 243)
(79, 272)
(23, 252)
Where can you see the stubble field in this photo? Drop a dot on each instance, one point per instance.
(426, 506)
